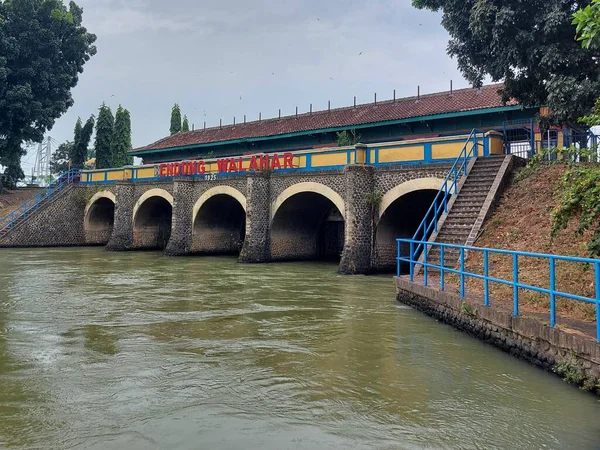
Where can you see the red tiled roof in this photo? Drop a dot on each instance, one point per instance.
(426, 105)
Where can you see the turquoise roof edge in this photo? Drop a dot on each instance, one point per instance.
(340, 128)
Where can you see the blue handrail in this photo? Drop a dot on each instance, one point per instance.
(22, 211)
(449, 187)
(551, 291)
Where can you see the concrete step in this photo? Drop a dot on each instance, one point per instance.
(476, 187)
(454, 220)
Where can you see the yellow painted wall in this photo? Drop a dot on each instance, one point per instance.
(404, 153)
(450, 150)
(496, 145)
(146, 172)
(115, 175)
(330, 159)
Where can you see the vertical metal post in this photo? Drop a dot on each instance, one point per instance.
(442, 283)
(486, 281)
(597, 301)
(424, 263)
(515, 283)
(455, 181)
(398, 258)
(410, 259)
(446, 197)
(552, 292)
(462, 272)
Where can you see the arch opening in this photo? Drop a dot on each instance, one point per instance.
(307, 226)
(219, 226)
(99, 221)
(400, 220)
(152, 224)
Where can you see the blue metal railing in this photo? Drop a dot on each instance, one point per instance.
(551, 290)
(9, 221)
(449, 187)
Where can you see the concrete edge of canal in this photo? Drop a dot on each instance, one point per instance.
(575, 358)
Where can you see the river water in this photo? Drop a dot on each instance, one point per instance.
(139, 351)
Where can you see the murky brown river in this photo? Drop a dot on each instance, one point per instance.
(138, 351)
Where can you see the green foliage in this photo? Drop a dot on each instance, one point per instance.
(571, 371)
(185, 126)
(564, 155)
(175, 119)
(374, 198)
(529, 45)
(43, 48)
(467, 309)
(104, 135)
(81, 142)
(579, 196)
(59, 163)
(346, 138)
(592, 119)
(588, 25)
(121, 140)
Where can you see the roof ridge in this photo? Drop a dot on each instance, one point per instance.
(413, 106)
(340, 108)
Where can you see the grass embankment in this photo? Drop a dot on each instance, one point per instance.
(523, 221)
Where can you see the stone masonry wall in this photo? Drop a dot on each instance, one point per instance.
(256, 247)
(524, 338)
(58, 223)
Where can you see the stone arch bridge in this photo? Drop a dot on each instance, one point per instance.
(260, 216)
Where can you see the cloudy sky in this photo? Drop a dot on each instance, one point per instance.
(225, 58)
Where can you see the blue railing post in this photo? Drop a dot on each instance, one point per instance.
(462, 272)
(553, 292)
(597, 301)
(398, 258)
(486, 281)
(515, 284)
(442, 284)
(411, 261)
(424, 263)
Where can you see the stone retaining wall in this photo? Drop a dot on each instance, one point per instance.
(57, 223)
(549, 348)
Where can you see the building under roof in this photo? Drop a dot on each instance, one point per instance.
(432, 115)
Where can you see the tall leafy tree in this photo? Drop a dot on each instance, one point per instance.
(43, 48)
(104, 135)
(121, 141)
(587, 21)
(83, 135)
(529, 45)
(185, 126)
(175, 119)
(59, 163)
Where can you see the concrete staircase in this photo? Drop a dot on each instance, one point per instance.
(468, 210)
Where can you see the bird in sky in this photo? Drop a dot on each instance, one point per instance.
(330, 78)
(360, 54)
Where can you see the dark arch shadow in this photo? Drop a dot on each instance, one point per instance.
(400, 220)
(307, 226)
(152, 224)
(99, 222)
(219, 227)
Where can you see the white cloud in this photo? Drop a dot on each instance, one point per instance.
(205, 55)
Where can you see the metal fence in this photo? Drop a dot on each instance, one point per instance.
(550, 290)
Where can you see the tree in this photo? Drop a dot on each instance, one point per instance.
(175, 119)
(186, 125)
(43, 48)
(121, 140)
(529, 45)
(81, 142)
(588, 25)
(104, 135)
(59, 163)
